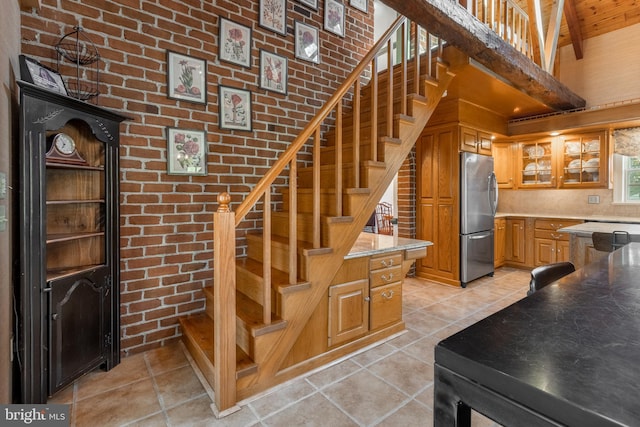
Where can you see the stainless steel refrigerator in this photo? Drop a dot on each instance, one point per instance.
(478, 204)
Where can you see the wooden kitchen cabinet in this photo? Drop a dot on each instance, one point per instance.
(536, 164)
(385, 280)
(500, 240)
(475, 141)
(549, 245)
(348, 311)
(515, 247)
(503, 163)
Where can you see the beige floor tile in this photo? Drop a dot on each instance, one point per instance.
(447, 311)
(334, 373)
(313, 411)
(178, 386)
(282, 397)
(130, 369)
(119, 406)
(365, 397)
(426, 397)
(198, 412)
(156, 420)
(373, 354)
(405, 339)
(404, 372)
(166, 358)
(411, 414)
(424, 322)
(423, 349)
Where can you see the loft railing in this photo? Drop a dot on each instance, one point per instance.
(413, 47)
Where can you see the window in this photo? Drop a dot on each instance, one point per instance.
(626, 179)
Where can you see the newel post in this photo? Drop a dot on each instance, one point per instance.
(224, 307)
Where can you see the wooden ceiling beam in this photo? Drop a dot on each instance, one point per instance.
(571, 16)
(553, 33)
(454, 24)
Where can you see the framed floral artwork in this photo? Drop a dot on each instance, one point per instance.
(313, 4)
(334, 17)
(186, 152)
(273, 72)
(186, 78)
(235, 108)
(34, 72)
(273, 15)
(307, 42)
(235, 43)
(359, 4)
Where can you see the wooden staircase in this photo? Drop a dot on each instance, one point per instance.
(260, 303)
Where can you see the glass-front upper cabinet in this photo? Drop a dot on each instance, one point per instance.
(535, 164)
(582, 160)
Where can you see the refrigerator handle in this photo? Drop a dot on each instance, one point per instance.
(493, 189)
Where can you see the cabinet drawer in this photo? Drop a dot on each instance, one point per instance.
(415, 253)
(386, 276)
(389, 260)
(548, 234)
(554, 224)
(386, 305)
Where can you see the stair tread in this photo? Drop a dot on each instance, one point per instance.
(279, 278)
(199, 329)
(306, 247)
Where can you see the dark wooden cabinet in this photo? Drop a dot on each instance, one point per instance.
(68, 310)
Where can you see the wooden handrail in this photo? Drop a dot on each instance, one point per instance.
(290, 153)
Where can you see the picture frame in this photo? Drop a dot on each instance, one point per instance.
(186, 78)
(235, 109)
(34, 72)
(361, 5)
(186, 151)
(273, 15)
(334, 17)
(313, 4)
(307, 42)
(235, 43)
(273, 72)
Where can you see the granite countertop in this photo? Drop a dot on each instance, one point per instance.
(600, 218)
(602, 227)
(373, 244)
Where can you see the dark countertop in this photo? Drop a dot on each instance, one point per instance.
(570, 351)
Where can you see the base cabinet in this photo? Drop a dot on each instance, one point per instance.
(500, 240)
(68, 301)
(549, 245)
(348, 311)
(516, 241)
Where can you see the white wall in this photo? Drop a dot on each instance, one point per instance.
(610, 69)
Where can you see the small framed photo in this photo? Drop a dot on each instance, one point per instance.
(34, 72)
(273, 72)
(307, 42)
(360, 4)
(273, 15)
(235, 43)
(313, 4)
(334, 17)
(186, 152)
(186, 78)
(235, 108)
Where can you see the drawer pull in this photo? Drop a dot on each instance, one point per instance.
(556, 236)
(387, 279)
(384, 263)
(387, 295)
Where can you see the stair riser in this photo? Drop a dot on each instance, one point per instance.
(327, 203)
(279, 255)
(243, 337)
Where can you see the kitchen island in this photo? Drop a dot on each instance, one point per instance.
(566, 355)
(581, 250)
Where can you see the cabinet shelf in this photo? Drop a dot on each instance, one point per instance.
(57, 274)
(74, 201)
(59, 238)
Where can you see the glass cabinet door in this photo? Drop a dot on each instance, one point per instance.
(582, 160)
(536, 164)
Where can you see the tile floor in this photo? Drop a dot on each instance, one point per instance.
(390, 384)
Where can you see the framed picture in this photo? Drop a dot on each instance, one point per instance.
(34, 72)
(273, 15)
(307, 42)
(273, 72)
(313, 4)
(235, 43)
(186, 78)
(186, 152)
(359, 4)
(334, 17)
(235, 108)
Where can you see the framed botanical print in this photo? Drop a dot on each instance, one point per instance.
(235, 108)
(334, 17)
(186, 78)
(235, 43)
(360, 4)
(186, 152)
(273, 15)
(313, 4)
(307, 43)
(273, 72)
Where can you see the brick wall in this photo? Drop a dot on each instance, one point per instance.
(166, 220)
